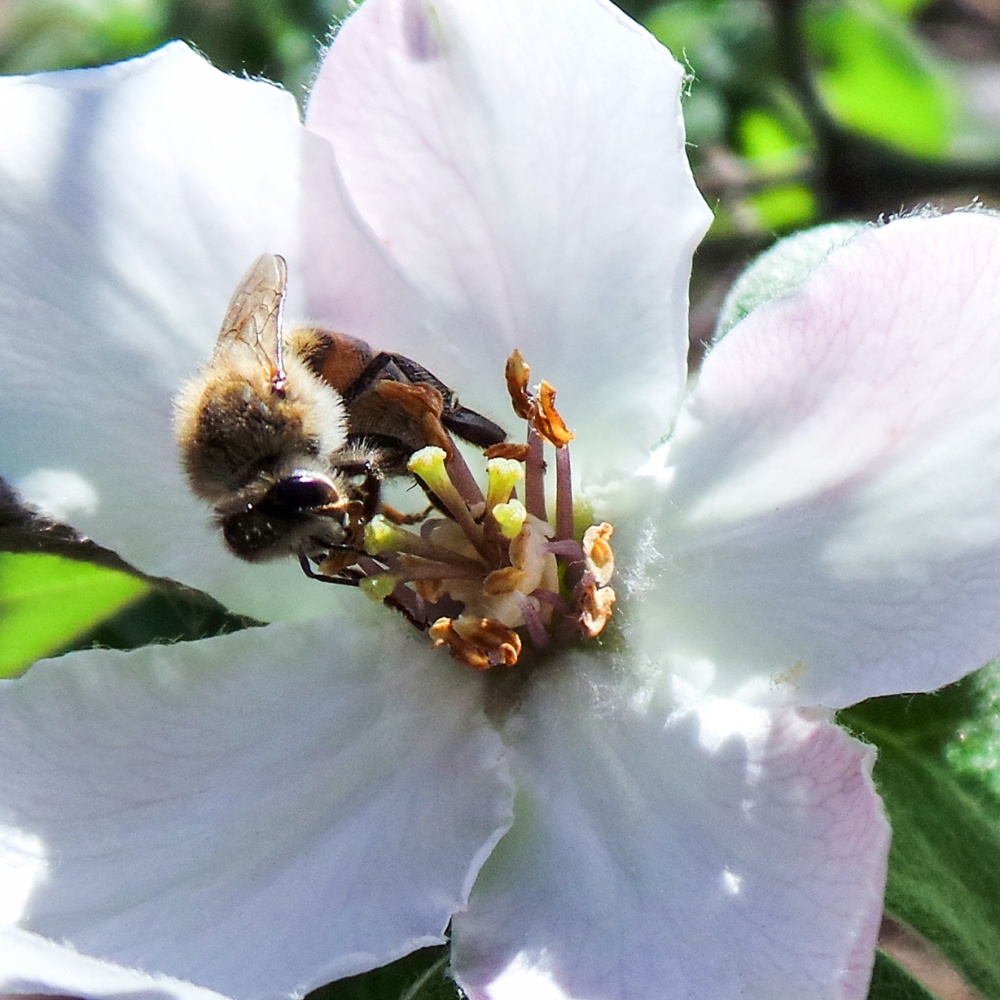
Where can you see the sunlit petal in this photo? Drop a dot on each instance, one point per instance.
(35, 966)
(132, 200)
(720, 852)
(258, 814)
(524, 164)
(827, 527)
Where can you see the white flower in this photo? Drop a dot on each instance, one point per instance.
(670, 815)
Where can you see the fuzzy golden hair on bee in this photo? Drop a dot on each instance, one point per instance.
(232, 425)
(288, 434)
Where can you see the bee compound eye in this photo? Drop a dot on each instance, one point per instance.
(298, 493)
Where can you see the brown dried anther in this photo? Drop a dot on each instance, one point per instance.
(503, 581)
(548, 423)
(598, 553)
(517, 374)
(479, 643)
(539, 407)
(509, 449)
(487, 570)
(594, 604)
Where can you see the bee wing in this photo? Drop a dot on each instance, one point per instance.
(253, 321)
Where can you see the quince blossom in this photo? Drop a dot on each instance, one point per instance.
(668, 814)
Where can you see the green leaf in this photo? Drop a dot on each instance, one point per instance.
(55, 34)
(876, 77)
(770, 143)
(47, 601)
(944, 865)
(904, 8)
(892, 982)
(778, 146)
(783, 206)
(420, 976)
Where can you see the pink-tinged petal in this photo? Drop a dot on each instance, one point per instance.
(132, 200)
(350, 282)
(35, 966)
(524, 164)
(720, 852)
(827, 523)
(257, 814)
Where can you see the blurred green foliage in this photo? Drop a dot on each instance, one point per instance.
(277, 39)
(816, 109)
(798, 110)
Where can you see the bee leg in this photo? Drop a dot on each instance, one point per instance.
(467, 424)
(380, 368)
(370, 490)
(347, 577)
(390, 513)
(471, 426)
(352, 578)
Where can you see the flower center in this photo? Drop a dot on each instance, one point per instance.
(487, 572)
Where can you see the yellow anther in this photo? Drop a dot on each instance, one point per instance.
(381, 535)
(502, 476)
(378, 587)
(428, 464)
(510, 518)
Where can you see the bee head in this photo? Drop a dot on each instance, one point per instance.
(304, 513)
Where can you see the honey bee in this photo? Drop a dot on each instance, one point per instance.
(288, 436)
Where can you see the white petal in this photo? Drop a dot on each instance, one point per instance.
(351, 283)
(34, 966)
(724, 852)
(829, 526)
(524, 164)
(132, 199)
(258, 814)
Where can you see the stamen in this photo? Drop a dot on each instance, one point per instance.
(516, 375)
(549, 424)
(463, 479)
(425, 404)
(551, 599)
(567, 549)
(502, 477)
(382, 536)
(533, 622)
(410, 604)
(534, 477)
(379, 587)
(483, 570)
(429, 465)
(564, 494)
(510, 517)
(503, 581)
(508, 449)
(479, 643)
(595, 605)
(598, 552)
(409, 569)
